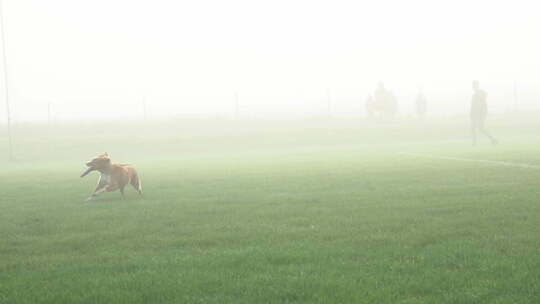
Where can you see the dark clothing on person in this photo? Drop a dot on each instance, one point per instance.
(385, 101)
(370, 106)
(479, 114)
(479, 105)
(421, 105)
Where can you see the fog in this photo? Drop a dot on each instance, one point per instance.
(279, 151)
(71, 60)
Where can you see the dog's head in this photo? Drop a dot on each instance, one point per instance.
(98, 163)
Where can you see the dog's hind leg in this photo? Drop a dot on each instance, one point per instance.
(136, 183)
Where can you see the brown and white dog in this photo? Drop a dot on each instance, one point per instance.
(113, 176)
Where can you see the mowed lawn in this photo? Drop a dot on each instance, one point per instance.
(335, 225)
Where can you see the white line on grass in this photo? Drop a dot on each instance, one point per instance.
(485, 161)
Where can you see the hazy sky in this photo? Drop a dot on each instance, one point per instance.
(99, 57)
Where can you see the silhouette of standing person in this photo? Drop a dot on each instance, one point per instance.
(385, 101)
(421, 104)
(479, 113)
(370, 106)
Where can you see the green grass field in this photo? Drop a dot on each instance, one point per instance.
(273, 212)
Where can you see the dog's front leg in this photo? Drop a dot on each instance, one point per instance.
(99, 189)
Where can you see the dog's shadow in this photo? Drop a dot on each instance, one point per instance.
(138, 198)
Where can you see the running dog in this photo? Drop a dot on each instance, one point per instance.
(113, 176)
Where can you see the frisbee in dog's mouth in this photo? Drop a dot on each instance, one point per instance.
(87, 171)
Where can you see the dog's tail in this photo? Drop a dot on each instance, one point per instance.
(136, 182)
(140, 184)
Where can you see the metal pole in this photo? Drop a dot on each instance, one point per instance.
(515, 97)
(236, 105)
(329, 101)
(6, 92)
(144, 107)
(49, 118)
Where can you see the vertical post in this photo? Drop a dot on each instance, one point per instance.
(49, 117)
(329, 102)
(6, 92)
(515, 97)
(143, 102)
(236, 105)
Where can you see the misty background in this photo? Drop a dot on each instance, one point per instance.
(107, 59)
